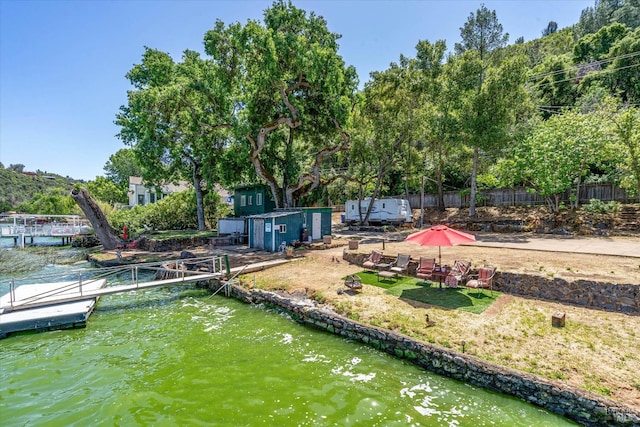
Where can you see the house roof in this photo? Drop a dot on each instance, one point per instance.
(275, 214)
(250, 186)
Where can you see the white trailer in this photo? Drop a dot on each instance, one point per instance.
(383, 211)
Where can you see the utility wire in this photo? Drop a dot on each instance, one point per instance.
(577, 66)
(597, 71)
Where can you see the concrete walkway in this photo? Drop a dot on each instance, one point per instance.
(616, 246)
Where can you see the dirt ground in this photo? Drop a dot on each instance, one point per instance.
(597, 351)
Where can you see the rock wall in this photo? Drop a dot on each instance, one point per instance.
(623, 298)
(167, 245)
(579, 405)
(584, 293)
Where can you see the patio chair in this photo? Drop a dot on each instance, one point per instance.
(374, 259)
(401, 264)
(483, 280)
(425, 268)
(458, 274)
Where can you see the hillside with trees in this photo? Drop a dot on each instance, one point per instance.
(20, 187)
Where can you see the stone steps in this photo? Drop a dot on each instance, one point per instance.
(629, 217)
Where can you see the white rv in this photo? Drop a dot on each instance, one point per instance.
(383, 211)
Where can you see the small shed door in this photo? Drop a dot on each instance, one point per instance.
(316, 226)
(258, 233)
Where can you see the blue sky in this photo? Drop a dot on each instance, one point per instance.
(62, 63)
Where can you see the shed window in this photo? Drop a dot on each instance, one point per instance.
(282, 228)
(243, 200)
(259, 199)
(250, 200)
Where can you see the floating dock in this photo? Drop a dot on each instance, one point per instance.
(68, 304)
(48, 317)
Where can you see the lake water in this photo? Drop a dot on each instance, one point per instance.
(175, 356)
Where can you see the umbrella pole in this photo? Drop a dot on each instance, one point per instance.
(440, 255)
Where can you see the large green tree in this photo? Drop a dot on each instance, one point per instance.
(595, 47)
(121, 166)
(442, 88)
(486, 115)
(296, 95)
(178, 119)
(558, 154)
(383, 127)
(621, 76)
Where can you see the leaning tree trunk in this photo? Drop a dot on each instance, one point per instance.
(104, 232)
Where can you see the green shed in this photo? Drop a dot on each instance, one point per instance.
(252, 199)
(269, 231)
(318, 222)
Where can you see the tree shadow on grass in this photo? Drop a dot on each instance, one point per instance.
(457, 298)
(425, 292)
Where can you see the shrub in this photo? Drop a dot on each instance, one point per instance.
(598, 206)
(174, 212)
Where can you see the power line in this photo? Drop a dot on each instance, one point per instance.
(576, 67)
(597, 71)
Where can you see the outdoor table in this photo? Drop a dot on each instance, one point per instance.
(387, 275)
(440, 273)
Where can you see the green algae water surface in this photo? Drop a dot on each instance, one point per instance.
(178, 357)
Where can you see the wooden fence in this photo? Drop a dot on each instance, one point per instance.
(521, 197)
(515, 197)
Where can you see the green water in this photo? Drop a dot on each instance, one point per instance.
(177, 357)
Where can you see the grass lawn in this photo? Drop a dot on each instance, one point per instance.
(461, 298)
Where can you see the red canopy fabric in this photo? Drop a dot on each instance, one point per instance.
(440, 235)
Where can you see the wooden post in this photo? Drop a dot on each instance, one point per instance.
(558, 319)
(422, 202)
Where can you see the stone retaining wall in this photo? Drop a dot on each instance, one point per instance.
(173, 244)
(573, 403)
(623, 298)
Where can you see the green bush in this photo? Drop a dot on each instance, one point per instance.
(174, 212)
(598, 206)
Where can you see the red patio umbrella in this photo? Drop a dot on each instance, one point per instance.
(440, 235)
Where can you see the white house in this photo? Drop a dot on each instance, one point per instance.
(141, 195)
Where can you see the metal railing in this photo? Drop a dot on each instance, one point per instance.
(214, 266)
